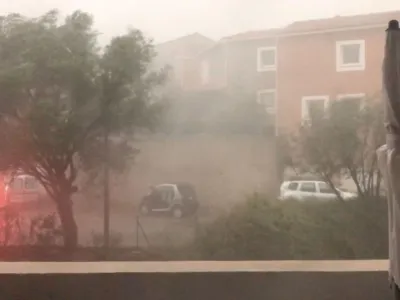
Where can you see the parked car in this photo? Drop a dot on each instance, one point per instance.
(176, 199)
(308, 189)
(22, 189)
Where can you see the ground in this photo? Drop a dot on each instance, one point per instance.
(224, 170)
(127, 229)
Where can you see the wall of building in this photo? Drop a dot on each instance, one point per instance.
(180, 55)
(212, 68)
(242, 66)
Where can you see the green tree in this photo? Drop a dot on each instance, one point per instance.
(60, 94)
(341, 142)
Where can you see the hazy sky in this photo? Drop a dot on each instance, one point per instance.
(168, 19)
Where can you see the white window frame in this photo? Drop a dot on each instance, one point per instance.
(306, 99)
(269, 91)
(260, 66)
(356, 96)
(342, 67)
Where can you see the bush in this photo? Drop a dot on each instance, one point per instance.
(271, 230)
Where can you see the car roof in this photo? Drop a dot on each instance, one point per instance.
(165, 184)
(176, 183)
(300, 181)
(23, 176)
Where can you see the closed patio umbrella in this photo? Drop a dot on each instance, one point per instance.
(389, 154)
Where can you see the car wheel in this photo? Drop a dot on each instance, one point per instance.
(177, 213)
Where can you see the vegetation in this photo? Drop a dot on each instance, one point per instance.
(262, 229)
(341, 143)
(61, 95)
(334, 144)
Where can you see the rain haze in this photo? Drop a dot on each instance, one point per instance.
(250, 124)
(165, 20)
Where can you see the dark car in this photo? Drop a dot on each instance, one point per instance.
(176, 199)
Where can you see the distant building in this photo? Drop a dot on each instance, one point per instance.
(335, 59)
(180, 54)
(290, 70)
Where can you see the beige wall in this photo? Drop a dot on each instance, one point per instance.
(223, 169)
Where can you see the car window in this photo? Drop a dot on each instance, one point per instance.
(293, 186)
(167, 192)
(324, 188)
(30, 183)
(308, 187)
(17, 184)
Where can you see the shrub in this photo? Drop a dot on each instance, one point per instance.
(271, 230)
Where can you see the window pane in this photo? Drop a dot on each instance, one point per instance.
(30, 183)
(308, 187)
(167, 193)
(325, 188)
(17, 184)
(293, 186)
(351, 54)
(315, 107)
(267, 58)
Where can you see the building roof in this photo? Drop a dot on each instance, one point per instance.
(317, 25)
(255, 34)
(243, 36)
(381, 18)
(186, 39)
(186, 46)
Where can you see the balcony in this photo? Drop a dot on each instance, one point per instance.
(280, 280)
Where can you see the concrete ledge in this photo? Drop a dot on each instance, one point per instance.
(274, 280)
(193, 267)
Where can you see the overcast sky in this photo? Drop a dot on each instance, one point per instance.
(168, 19)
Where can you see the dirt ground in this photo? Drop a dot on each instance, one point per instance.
(161, 230)
(224, 170)
(126, 228)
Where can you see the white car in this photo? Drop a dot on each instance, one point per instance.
(308, 189)
(24, 188)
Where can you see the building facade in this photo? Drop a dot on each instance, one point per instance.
(181, 58)
(321, 61)
(296, 68)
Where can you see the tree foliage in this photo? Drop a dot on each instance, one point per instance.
(341, 143)
(60, 92)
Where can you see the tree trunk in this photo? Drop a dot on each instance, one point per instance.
(106, 195)
(68, 223)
